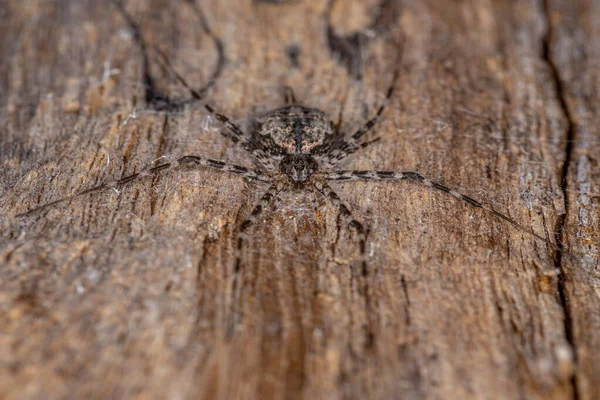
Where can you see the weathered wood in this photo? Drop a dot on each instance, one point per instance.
(128, 292)
(575, 57)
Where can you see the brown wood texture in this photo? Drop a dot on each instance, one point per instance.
(129, 293)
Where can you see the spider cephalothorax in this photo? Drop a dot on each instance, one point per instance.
(293, 135)
(299, 167)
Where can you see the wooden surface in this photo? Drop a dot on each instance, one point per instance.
(128, 293)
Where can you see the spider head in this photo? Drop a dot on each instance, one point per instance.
(298, 167)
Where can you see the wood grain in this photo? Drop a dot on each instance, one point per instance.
(128, 293)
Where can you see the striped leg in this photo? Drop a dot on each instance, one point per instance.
(327, 191)
(371, 123)
(183, 161)
(416, 177)
(354, 143)
(351, 145)
(361, 233)
(239, 137)
(258, 209)
(238, 134)
(252, 218)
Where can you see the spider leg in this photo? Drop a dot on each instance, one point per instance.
(238, 134)
(185, 160)
(328, 192)
(416, 177)
(359, 146)
(288, 96)
(348, 146)
(241, 138)
(340, 118)
(351, 145)
(196, 94)
(332, 158)
(361, 232)
(371, 123)
(258, 209)
(250, 220)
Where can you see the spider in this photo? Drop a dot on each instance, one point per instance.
(298, 146)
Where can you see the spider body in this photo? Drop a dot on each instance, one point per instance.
(294, 136)
(298, 143)
(302, 144)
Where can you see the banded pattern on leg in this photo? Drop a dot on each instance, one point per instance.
(336, 152)
(241, 138)
(330, 158)
(352, 144)
(361, 234)
(238, 134)
(327, 191)
(250, 220)
(185, 160)
(416, 177)
(371, 123)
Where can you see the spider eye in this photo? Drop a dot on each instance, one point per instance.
(299, 167)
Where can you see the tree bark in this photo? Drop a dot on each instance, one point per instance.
(132, 291)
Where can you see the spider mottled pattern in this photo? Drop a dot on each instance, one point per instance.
(297, 146)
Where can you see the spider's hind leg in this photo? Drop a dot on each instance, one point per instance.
(328, 192)
(264, 202)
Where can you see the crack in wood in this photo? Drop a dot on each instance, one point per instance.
(560, 233)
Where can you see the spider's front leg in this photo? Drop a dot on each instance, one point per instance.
(354, 143)
(189, 160)
(341, 176)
